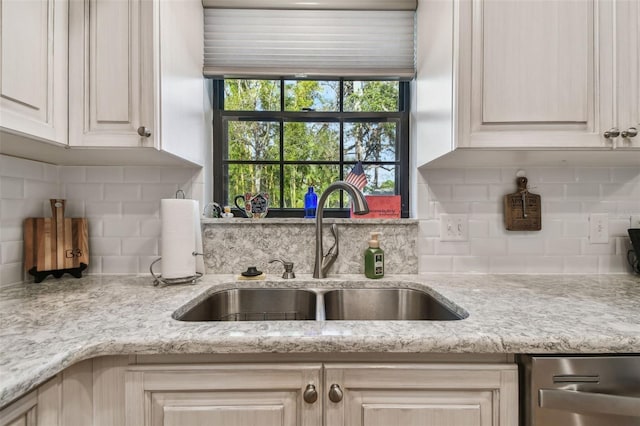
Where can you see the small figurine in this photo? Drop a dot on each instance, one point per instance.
(226, 214)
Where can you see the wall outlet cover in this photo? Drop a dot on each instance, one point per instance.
(454, 227)
(634, 221)
(599, 228)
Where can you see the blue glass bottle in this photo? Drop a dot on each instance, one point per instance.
(310, 203)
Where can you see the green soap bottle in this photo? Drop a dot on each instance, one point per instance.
(374, 258)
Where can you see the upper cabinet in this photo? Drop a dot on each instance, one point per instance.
(110, 74)
(135, 73)
(526, 75)
(105, 75)
(33, 68)
(628, 72)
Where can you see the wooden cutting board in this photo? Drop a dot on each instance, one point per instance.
(56, 245)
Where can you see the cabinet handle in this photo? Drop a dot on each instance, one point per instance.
(310, 394)
(144, 132)
(612, 133)
(335, 393)
(629, 133)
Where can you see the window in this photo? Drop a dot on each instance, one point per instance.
(281, 136)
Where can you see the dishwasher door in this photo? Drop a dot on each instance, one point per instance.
(580, 390)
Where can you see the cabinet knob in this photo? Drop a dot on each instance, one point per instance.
(629, 133)
(144, 132)
(310, 394)
(335, 393)
(612, 133)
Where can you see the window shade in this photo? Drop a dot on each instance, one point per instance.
(309, 43)
(314, 4)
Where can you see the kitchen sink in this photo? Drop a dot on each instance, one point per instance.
(286, 304)
(385, 304)
(254, 304)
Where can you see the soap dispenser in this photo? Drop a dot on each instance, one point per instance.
(374, 258)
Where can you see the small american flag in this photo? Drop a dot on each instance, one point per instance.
(357, 177)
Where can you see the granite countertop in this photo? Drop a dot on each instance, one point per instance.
(47, 327)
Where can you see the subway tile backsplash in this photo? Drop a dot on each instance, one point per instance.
(123, 203)
(569, 196)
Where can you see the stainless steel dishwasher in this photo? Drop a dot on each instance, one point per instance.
(580, 390)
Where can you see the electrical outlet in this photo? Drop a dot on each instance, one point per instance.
(599, 228)
(454, 227)
(635, 221)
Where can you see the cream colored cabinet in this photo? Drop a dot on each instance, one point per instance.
(135, 71)
(40, 407)
(353, 394)
(33, 68)
(628, 73)
(421, 394)
(109, 70)
(230, 395)
(535, 74)
(525, 75)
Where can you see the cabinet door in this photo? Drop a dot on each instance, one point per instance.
(22, 412)
(109, 68)
(535, 73)
(33, 68)
(41, 407)
(230, 395)
(422, 395)
(628, 70)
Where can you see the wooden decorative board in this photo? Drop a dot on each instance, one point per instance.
(56, 245)
(522, 209)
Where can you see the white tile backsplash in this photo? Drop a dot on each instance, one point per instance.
(83, 191)
(569, 195)
(11, 188)
(142, 174)
(471, 264)
(140, 246)
(12, 251)
(25, 169)
(73, 174)
(104, 174)
(122, 192)
(123, 203)
(120, 264)
(128, 226)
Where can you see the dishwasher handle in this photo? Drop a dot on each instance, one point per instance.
(587, 402)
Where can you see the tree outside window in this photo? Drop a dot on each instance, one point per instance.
(281, 136)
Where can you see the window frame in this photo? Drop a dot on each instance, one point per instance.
(220, 144)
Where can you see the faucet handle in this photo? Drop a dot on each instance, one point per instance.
(288, 268)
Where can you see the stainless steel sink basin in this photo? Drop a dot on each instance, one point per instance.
(286, 304)
(385, 304)
(254, 305)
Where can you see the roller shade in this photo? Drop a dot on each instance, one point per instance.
(309, 43)
(315, 4)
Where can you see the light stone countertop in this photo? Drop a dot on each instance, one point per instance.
(47, 327)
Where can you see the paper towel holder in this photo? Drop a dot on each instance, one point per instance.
(157, 279)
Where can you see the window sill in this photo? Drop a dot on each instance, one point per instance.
(302, 221)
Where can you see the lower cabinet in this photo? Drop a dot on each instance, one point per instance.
(230, 395)
(128, 391)
(350, 394)
(40, 407)
(421, 395)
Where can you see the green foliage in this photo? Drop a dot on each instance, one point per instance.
(306, 141)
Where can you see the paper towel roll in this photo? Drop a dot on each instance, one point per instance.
(180, 221)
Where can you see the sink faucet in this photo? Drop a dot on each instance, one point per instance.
(360, 206)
